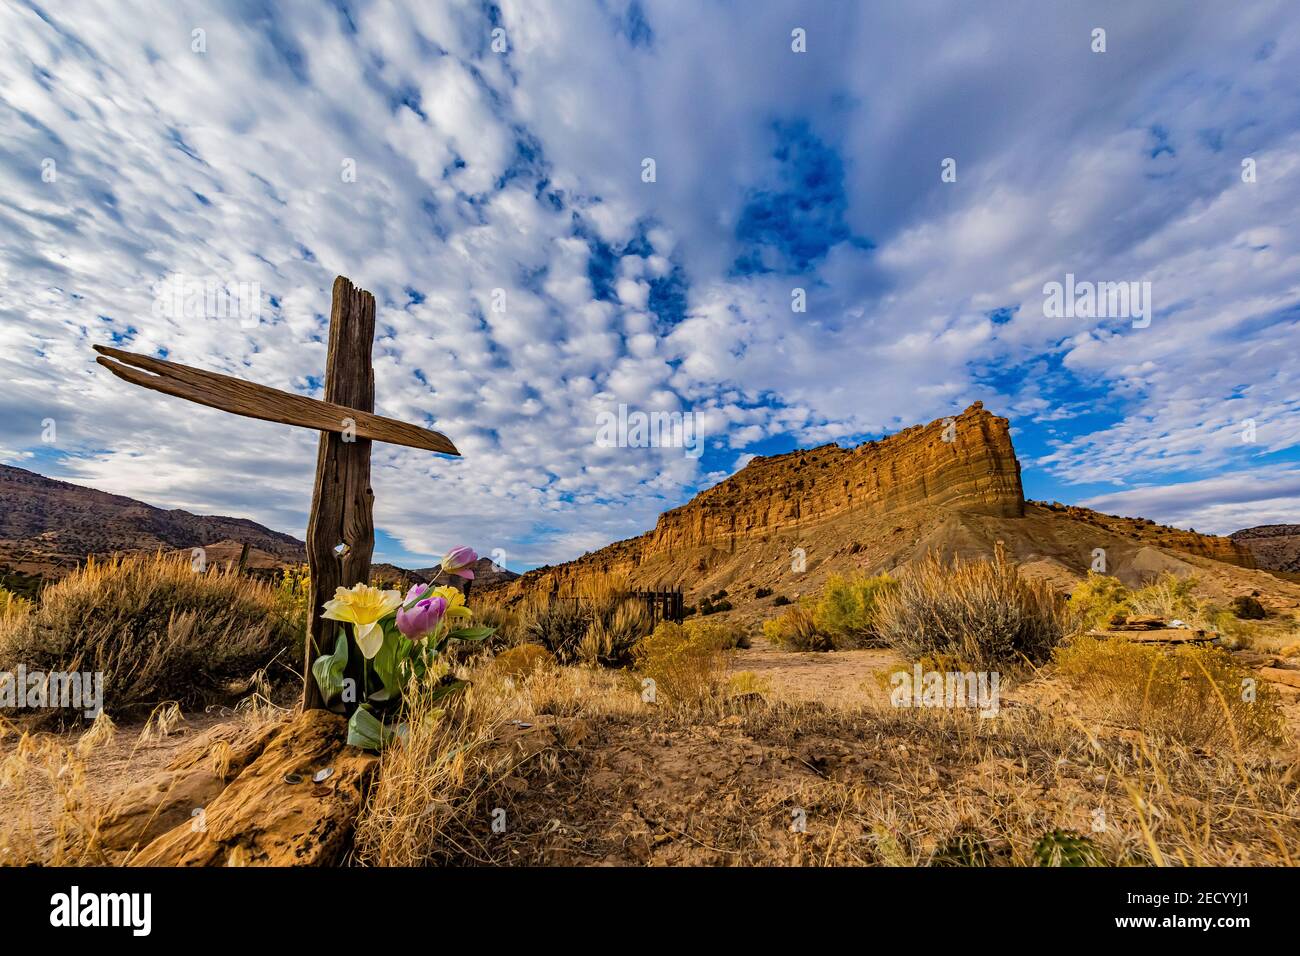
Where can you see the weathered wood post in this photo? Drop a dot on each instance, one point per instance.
(341, 529)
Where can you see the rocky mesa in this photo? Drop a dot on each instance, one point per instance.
(786, 522)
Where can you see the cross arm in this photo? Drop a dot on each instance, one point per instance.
(251, 400)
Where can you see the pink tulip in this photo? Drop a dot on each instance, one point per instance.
(422, 619)
(458, 561)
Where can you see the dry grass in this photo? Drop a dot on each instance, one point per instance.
(50, 819)
(157, 630)
(616, 780)
(1196, 696)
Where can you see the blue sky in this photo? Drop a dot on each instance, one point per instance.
(480, 168)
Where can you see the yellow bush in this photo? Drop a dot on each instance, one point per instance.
(1196, 695)
(747, 682)
(846, 610)
(11, 603)
(686, 667)
(519, 662)
(722, 633)
(1097, 600)
(796, 629)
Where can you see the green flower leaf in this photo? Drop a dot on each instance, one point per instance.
(328, 671)
(472, 633)
(367, 731)
(387, 663)
(448, 687)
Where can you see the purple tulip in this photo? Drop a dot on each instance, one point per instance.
(422, 619)
(458, 561)
(417, 591)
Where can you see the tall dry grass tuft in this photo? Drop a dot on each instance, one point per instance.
(156, 629)
(614, 631)
(428, 782)
(980, 612)
(39, 774)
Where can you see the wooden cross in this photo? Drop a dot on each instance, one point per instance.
(341, 530)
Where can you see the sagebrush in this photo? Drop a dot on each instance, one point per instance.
(982, 612)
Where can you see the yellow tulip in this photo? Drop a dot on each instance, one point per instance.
(363, 607)
(455, 601)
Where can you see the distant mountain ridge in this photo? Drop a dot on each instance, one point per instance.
(51, 525)
(48, 527)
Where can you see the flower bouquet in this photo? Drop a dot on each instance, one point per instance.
(399, 640)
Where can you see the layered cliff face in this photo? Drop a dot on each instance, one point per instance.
(782, 525)
(1215, 547)
(1276, 547)
(965, 463)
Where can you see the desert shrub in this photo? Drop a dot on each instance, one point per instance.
(156, 629)
(1248, 608)
(979, 611)
(614, 631)
(763, 592)
(722, 633)
(781, 601)
(1098, 600)
(508, 623)
(746, 683)
(523, 660)
(1172, 598)
(715, 608)
(559, 625)
(1194, 695)
(796, 630)
(846, 611)
(686, 667)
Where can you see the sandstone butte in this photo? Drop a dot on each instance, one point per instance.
(952, 486)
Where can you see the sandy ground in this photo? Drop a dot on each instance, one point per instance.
(838, 676)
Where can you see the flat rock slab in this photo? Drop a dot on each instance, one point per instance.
(272, 813)
(1278, 675)
(1164, 635)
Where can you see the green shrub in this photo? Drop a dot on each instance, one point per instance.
(716, 608)
(983, 612)
(1248, 608)
(762, 593)
(781, 601)
(846, 611)
(1097, 601)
